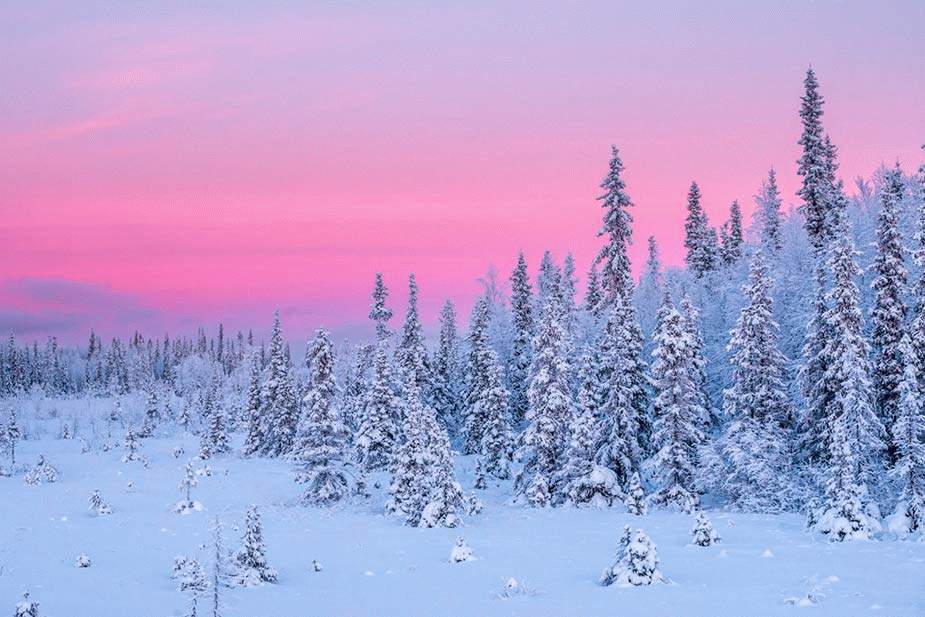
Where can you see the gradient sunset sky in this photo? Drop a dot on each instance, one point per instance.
(165, 166)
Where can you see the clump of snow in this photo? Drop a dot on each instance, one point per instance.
(83, 561)
(514, 588)
(461, 552)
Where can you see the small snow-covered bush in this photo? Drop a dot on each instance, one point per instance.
(513, 588)
(635, 500)
(636, 563)
(43, 472)
(848, 518)
(251, 560)
(98, 506)
(461, 552)
(26, 608)
(703, 532)
(83, 561)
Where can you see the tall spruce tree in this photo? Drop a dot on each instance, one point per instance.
(889, 312)
(732, 238)
(754, 445)
(814, 165)
(379, 312)
(476, 373)
(411, 353)
(855, 435)
(378, 432)
(768, 215)
(496, 450)
(447, 394)
(699, 240)
(550, 410)
(522, 343)
(678, 411)
(320, 450)
(908, 432)
(613, 257)
(256, 427)
(279, 408)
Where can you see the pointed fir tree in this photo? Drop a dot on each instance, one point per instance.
(496, 450)
(594, 295)
(678, 412)
(544, 440)
(522, 343)
(698, 239)
(321, 442)
(130, 445)
(376, 438)
(613, 257)
(755, 445)
(635, 500)
(733, 238)
(476, 374)
(251, 560)
(11, 435)
(917, 324)
(98, 507)
(279, 409)
(855, 435)
(379, 313)
(189, 480)
(152, 414)
(768, 215)
(26, 608)
(691, 317)
(581, 481)
(214, 440)
(908, 432)
(256, 429)
(889, 312)
(411, 353)
(447, 394)
(813, 165)
(649, 295)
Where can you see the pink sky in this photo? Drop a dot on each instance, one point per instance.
(164, 166)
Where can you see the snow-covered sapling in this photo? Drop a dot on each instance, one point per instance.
(191, 580)
(461, 552)
(83, 561)
(636, 563)
(251, 560)
(9, 436)
(702, 532)
(98, 507)
(26, 608)
(130, 445)
(42, 472)
(316, 565)
(635, 500)
(187, 505)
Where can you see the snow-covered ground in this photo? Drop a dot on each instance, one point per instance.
(373, 565)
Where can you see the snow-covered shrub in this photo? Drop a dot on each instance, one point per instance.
(83, 561)
(635, 500)
(98, 507)
(187, 504)
(702, 532)
(849, 518)
(636, 563)
(43, 472)
(130, 445)
(26, 608)
(461, 552)
(513, 588)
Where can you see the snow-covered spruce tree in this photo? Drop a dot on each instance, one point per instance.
(908, 430)
(544, 440)
(814, 165)
(423, 490)
(568, 287)
(43, 473)
(702, 532)
(214, 439)
(754, 446)
(889, 312)
(191, 579)
(26, 608)
(98, 507)
(376, 438)
(635, 499)
(320, 450)
(356, 384)
(856, 435)
(767, 215)
(648, 295)
(187, 504)
(636, 563)
(618, 439)
(411, 353)
(613, 257)
(546, 280)
(130, 445)
(496, 451)
(152, 414)
(522, 343)
(698, 239)
(256, 428)
(379, 312)
(476, 373)
(594, 295)
(219, 567)
(447, 393)
(251, 564)
(279, 408)
(581, 481)
(11, 434)
(917, 325)
(678, 412)
(692, 325)
(732, 236)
